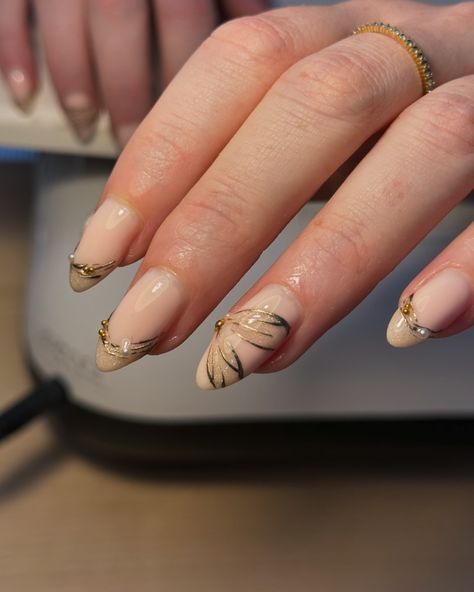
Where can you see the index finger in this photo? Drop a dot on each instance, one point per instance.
(194, 119)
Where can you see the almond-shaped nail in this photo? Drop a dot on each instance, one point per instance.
(82, 115)
(243, 340)
(105, 241)
(21, 88)
(431, 309)
(135, 327)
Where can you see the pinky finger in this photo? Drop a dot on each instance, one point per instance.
(440, 301)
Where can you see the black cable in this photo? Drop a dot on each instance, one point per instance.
(44, 397)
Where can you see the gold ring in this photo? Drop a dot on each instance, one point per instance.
(417, 55)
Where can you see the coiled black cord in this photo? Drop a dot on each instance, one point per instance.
(42, 398)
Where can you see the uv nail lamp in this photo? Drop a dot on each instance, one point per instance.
(351, 371)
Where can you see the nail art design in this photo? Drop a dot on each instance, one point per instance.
(21, 88)
(107, 236)
(245, 339)
(432, 308)
(126, 349)
(82, 115)
(264, 330)
(150, 306)
(93, 273)
(411, 320)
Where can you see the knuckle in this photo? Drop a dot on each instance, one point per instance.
(165, 144)
(343, 84)
(341, 238)
(221, 217)
(261, 38)
(445, 120)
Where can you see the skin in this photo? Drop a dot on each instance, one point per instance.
(263, 113)
(283, 100)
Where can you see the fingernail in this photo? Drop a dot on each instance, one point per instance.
(138, 322)
(105, 240)
(82, 115)
(125, 132)
(21, 88)
(243, 340)
(432, 308)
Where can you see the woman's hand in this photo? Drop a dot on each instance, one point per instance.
(101, 51)
(264, 112)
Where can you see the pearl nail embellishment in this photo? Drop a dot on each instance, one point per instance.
(126, 349)
(410, 318)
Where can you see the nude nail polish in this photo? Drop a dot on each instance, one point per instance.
(141, 318)
(243, 340)
(82, 115)
(431, 309)
(21, 88)
(105, 241)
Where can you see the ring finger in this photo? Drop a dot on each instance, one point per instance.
(63, 32)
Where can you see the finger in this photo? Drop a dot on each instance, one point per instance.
(439, 302)
(236, 8)
(16, 56)
(121, 42)
(298, 135)
(181, 27)
(180, 138)
(64, 37)
(422, 166)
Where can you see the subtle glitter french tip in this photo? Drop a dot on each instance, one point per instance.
(82, 116)
(243, 340)
(106, 238)
(431, 309)
(21, 89)
(135, 327)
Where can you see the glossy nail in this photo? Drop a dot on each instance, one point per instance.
(432, 308)
(82, 115)
(21, 88)
(135, 327)
(243, 340)
(105, 241)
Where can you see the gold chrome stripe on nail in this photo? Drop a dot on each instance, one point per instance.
(410, 317)
(126, 349)
(262, 329)
(94, 271)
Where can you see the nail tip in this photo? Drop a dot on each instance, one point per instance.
(203, 383)
(83, 123)
(399, 334)
(79, 283)
(25, 106)
(108, 363)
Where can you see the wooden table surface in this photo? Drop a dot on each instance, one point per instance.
(70, 524)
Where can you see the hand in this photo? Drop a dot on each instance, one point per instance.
(102, 51)
(264, 112)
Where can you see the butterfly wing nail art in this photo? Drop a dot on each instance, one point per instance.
(259, 328)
